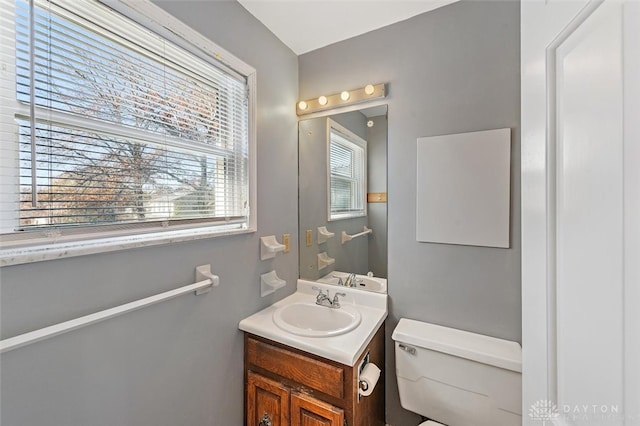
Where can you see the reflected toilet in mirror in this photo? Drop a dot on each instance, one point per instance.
(342, 198)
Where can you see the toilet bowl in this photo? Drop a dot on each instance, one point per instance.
(457, 377)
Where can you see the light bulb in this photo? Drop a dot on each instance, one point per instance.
(302, 105)
(369, 89)
(322, 100)
(344, 96)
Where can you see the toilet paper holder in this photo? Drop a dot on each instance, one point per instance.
(364, 387)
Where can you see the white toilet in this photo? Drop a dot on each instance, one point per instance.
(456, 377)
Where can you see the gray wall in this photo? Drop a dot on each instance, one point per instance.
(179, 362)
(377, 182)
(453, 70)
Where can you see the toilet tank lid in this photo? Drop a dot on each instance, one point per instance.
(476, 347)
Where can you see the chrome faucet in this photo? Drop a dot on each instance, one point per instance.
(336, 303)
(350, 281)
(324, 299)
(340, 282)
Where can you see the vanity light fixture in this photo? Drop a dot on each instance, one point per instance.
(344, 98)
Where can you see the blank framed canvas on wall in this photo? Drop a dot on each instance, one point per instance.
(463, 188)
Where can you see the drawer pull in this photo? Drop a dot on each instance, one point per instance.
(266, 420)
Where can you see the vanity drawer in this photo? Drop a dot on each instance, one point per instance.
(307, 371)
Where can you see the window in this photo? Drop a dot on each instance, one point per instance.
(347, 172)
(108, 127)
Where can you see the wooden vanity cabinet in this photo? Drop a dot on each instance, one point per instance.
(288, 387)
(309, 411)
(266, 399)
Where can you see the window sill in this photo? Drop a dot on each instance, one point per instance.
(59, 250)
(347, 216)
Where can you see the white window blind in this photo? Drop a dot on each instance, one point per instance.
(108, 125)
(347, 171)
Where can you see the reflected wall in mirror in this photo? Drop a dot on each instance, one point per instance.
(328, 257)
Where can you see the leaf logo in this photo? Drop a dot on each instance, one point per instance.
(543, 410)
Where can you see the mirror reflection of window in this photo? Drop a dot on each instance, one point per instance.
(361, 255)
(347, 173)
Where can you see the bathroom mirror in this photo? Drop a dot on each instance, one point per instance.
(326, 254)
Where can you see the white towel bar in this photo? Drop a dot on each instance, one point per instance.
(64, 327)
(346, 237)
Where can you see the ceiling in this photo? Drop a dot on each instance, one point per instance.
(306, 25)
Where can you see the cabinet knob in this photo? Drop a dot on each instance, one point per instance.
(265, 421)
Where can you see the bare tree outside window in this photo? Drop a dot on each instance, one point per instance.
(94, 175)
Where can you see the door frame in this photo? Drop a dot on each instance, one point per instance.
(544, 25)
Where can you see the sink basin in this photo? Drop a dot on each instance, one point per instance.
(363, 282)
(372, 284)
(311, 320)
(336, 334)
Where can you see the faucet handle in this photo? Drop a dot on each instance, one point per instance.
(320, 294)
(350, 281)
(336, 302)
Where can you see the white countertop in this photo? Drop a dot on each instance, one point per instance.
(345, 348)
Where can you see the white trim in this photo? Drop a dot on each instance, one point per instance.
(60, 250)
(632, 211)
(166, 25)
(545, 25)
(9, 161)
(553, 182)
(362, 143)
(541, 21)
(252, 80)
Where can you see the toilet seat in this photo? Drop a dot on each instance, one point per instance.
(430, 423)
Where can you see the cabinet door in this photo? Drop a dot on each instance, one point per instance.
(267, 402)
(308, 411)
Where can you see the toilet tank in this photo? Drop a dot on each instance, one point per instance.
(457, 377)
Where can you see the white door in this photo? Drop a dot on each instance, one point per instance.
(581, 212)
